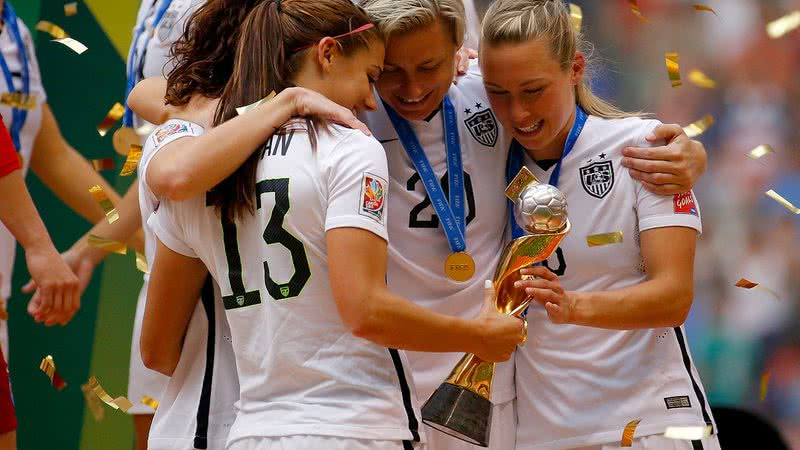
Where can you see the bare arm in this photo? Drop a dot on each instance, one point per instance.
(663, 300)
(175, 284)
(372, 312)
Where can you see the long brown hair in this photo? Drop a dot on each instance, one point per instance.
(204, 55)
(271, 50)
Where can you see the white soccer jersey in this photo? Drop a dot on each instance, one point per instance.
(33, 122)
(301, 370)
(418, 246)
(580, 386)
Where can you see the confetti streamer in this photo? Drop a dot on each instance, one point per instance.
(760, 151)
(777, 197)
(70, 9)
(120, 402)
(673, 69)
(114, 114)
(745, 283)
(700, 79)
(134, 155)
(635, 9)
(103, 164)
(19, 100)
(52, 29)
(93, 402)
(100, 196)
(141, 263)
(576, 14)
(704, 8)
(783, 25)
(764, 385)
(48, 366)
(149, 401)
(688, 433)
(74, 45)
(244, 109)
(628, 432)
(699, 127)
(108, 245)
(596, 240)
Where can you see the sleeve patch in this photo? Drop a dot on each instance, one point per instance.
(373, 196)
(171, 129)
(684, 204)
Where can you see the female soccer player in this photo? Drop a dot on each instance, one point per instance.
(609, 345)
(296, 240)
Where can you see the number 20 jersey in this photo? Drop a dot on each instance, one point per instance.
(301, 370)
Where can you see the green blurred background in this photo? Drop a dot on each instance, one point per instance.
(81, 89)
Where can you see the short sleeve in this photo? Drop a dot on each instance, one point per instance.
(357, 179)
(167, 223)
(170, 131)
(9, 159)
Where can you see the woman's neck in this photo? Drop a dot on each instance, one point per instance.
(555, 148)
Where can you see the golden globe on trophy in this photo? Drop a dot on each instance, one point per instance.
(461, 406)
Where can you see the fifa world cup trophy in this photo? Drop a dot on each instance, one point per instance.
(461, 406)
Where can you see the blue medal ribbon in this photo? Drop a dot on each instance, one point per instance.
(452, 214)
(18, 116)
(133, 63)
(516, 153)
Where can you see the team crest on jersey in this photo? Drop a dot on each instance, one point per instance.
(684, 204)
(373, 197)
(483, 127)
(598, 178)
(169, 130)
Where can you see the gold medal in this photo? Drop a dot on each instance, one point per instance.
(459, 266)
(124, 138)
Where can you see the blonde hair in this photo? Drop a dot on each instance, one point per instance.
(400, 16)
(520, 21)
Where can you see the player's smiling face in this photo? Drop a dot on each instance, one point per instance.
(418, 70)
(532, 95)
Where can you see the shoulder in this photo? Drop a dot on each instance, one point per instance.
(470, 84)
(628, 131)
(172, 130)
(355, 140)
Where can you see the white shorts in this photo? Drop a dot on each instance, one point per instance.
(503, 435)
(141, 380)
(659, 442)
(308, 442)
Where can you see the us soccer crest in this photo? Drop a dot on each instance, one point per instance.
(483, 127)
(598, 178)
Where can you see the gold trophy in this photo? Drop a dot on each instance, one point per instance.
(461, 406)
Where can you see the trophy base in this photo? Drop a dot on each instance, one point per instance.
(459, 412)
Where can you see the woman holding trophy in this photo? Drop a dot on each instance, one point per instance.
(607, 344)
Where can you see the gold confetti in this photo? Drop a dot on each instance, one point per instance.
(777, 197)
(103, 164)
(783, 25)
(673, 69)
(700, 79)
(596, 240)
(74, 45)
(149, 401)
(93, 402)
(114, 114)
(100, 196)
(699, 127)
(141, 263)
(48, 366)
(134, 155)
(688, 433)
(627, 433)
(244, 109)
(576, 14)
(745, 283)
(3, 311)
(108, 244)
(635, 8)
(764, 385)
(760, 151)
(120, 403)
(19, 100)
(52, 29)
(704, 8)
(70, 9)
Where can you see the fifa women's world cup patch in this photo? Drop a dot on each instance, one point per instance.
(171, 129)
(373, 196)
(684, 203)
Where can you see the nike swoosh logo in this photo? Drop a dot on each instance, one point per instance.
(383, 141)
